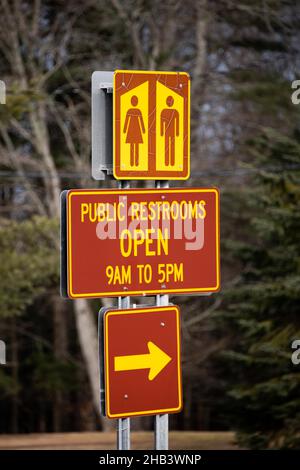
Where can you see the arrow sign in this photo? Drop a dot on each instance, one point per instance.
(140, 377)
(156, 360)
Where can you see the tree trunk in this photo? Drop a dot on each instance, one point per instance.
(88, 339)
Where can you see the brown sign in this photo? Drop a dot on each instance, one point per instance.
(140, 241)
(141, 369)
(151, 125)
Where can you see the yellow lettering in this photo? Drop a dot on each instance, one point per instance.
(125, 251)
(203, 210)
(84, 210)
(143, 240)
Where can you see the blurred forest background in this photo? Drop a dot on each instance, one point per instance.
(242, 56)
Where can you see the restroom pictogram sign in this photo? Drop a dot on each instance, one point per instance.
(151, 125)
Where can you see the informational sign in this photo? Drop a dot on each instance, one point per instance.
(140, 361)
(151, 125)
(140, 241)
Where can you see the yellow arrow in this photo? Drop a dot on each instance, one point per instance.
(156, 360)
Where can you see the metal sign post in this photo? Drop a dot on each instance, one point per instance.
(161, 438)
(161, 426)
(123, 424)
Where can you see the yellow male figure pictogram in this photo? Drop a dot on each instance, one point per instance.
(169, 128)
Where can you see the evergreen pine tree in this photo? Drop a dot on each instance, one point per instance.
(262, 309)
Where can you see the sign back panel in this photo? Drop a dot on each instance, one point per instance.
(151, 125)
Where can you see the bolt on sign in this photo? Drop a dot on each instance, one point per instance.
(151, 125)
(140, 371)
(139, 242)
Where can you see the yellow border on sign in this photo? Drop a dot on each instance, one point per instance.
(132, 178)
(71, 193)
(179, 379)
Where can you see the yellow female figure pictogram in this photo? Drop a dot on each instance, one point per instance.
(134, 129)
